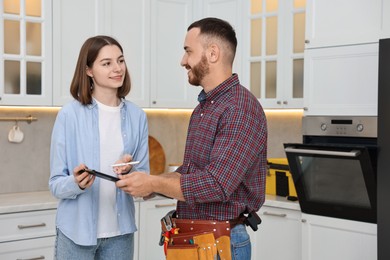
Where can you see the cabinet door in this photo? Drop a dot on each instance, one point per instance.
(25, 225)
(73, 22)
(279, 234)
(129, 23)
(325, 238)
(274, 63)
(332, 23)
(26, 53)
(168, 80)
(385, 32)
(342, 80)
(231, 11)
(150, 215)
(136, 234)
(39, 248)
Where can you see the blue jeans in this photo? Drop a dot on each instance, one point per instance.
(240, 243)
(118, 248)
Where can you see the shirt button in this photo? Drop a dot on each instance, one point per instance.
(212, 102)
(201, 114)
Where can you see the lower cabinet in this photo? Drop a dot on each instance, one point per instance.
(149, 227)
(27, 235)
(325, 238)
(278, 236)
(34, 248)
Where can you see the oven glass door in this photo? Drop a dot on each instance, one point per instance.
(334, 181)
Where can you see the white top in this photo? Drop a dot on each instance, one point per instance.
(111, 147)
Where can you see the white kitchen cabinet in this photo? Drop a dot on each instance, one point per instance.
(151, 33)
(39, 248)
(129, 23)
(136, 234)
(278, 236)
(73, 22)
(341, 80)
(169, 85)
(385, 32)
(150, 214)
(27, 235)
(345, 22)
(126, 21)
(26, 53)
(274, 54)
(325, 238)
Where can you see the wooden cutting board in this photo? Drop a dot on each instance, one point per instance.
(156, 156)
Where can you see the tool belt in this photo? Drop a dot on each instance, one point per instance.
(196, 239)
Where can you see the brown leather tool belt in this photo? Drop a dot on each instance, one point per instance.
(199, 236)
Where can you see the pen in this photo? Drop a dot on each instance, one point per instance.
(123, 164)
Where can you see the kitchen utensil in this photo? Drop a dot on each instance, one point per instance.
(15, 135)
(156, 156)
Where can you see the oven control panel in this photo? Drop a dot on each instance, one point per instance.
(364, 126)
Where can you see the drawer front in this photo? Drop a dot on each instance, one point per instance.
(30, 249)
(26, 225)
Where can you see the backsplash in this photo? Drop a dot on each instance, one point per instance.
(25, 165)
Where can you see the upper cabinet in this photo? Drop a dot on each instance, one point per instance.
(151, 33)
(126, 21)
(342, 80)
(341, 56)
(346, 22)
(72, 25)
(275, 52)
(26, 49)
(168, 81)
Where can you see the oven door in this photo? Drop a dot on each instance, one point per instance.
(335, 181)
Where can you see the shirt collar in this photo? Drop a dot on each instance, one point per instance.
(94, 103)
(221, 88)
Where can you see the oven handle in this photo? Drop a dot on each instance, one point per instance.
(353, 153)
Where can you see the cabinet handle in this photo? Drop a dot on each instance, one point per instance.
(282, 215)
(303, 220)
(285, 102)
(307, 41)
(278, 102)
(31, 226)
(33, 258)
(165, 205)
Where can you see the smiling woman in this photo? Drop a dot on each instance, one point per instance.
(92, 132)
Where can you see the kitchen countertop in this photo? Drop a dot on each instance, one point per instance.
(26, 201)
(43, 200)
(281, 202)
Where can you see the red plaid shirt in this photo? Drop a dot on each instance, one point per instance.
(224, 167)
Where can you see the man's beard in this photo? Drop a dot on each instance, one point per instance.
(199, 71)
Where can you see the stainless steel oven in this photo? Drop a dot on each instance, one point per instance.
(334, 168)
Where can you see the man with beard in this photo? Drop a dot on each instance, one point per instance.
(222, 177)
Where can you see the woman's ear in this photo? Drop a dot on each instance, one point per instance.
(89, 72)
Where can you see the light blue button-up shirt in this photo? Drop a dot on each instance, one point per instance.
(75, 140)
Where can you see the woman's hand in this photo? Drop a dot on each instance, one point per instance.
(83, 178)
(126, 168)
